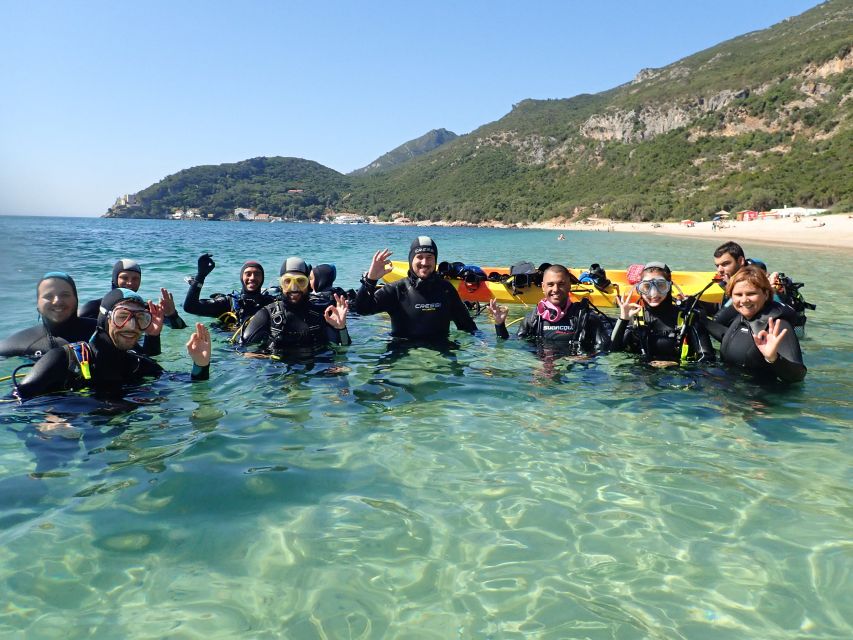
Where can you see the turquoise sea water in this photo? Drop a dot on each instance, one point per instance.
(478, 492)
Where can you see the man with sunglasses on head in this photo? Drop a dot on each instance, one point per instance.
(232, 309)
(662, 331)
(108, 361)
(575, 327)
(293, 323)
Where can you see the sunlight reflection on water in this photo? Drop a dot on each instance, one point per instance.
(477, 491)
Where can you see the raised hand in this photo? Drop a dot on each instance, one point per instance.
(167, 302)
(768, 341)
(198, 346)
(336, 314)
(205, 265)
(380, 265)
(627, 309)
(156, 325)
(499, 313)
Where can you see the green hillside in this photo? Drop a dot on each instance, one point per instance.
(286, 187)
(759, 121)
(407, 151)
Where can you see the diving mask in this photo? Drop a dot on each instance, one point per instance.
(294, 282)
(122, 315)
(661, 285)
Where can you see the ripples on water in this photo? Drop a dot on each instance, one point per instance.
(475, 491)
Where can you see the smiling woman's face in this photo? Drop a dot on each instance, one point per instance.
(748, 299)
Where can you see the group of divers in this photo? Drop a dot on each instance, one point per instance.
(113, 342)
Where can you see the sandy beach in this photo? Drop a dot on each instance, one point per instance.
(829, 231)
(832, 231)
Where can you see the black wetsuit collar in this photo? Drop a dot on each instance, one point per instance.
(666, 312)
(418, 282)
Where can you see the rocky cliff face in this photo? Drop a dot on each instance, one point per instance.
(649, 121)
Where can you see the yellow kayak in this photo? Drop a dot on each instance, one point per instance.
(506, 291)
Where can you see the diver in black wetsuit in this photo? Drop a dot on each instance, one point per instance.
(662, 330)
(761, 339)
(108, 361)
(421, 305)
(557, 321)
(295, 324)
(323, 289)
(127, 274)
(729, 258)
(232, 309)
(56, 300)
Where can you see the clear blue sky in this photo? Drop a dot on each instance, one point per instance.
(100, 98)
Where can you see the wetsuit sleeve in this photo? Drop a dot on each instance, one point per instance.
(207, 307)
(257, 329)
(617, 337)
(200, 373)
(726, 315)
(371, 299)
(714, 328)
(501, 331)
(528, 329)
(338, 336)
(598, 330)
(26, 342)
(459, 312)
(50, 373)
(700, 342)
(175, 321)
(789, 366)
(147, 368)
(151, 345)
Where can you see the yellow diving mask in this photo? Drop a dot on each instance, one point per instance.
(294, 282)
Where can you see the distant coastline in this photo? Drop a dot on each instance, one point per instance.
(832, 231)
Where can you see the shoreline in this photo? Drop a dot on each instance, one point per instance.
(833, 231)
(825, 231)
(828, 231)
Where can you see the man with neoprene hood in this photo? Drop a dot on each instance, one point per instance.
(232, 309)
(127, 274)
(295, 324)
(421, 305)
(56, 301)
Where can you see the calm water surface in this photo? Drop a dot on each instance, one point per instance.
(480, 491)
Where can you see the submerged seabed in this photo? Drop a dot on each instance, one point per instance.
(479, 491)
